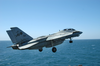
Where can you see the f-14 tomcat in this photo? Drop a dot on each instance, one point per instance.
(23, 41)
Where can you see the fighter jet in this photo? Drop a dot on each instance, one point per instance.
(23, 41)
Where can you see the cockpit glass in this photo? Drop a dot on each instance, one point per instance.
(65, 29)
(71, 29)
(68, 29)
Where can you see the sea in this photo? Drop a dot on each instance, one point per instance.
(84, 52)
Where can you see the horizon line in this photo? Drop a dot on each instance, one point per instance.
(65, 39)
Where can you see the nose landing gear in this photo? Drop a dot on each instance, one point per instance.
(70, 41)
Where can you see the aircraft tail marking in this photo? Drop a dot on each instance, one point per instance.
(18, 36)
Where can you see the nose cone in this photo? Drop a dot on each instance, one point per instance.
(77, 32)
(80, 32)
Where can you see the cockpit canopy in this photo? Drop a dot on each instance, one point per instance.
(69, 29)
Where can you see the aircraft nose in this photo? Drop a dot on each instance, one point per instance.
(80, 32)
(77, 32)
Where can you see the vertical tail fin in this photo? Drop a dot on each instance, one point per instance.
(18, 36)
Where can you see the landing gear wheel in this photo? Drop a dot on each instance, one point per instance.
(40, 50)
(70, 41)
(54, 49)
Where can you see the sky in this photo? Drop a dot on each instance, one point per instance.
(44, 17)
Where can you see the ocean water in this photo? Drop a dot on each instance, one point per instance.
(80, 52)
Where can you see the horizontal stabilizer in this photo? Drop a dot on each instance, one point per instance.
(9, 46)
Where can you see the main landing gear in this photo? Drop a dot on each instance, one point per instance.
(40, 50)
(53, 48)
(70, 41)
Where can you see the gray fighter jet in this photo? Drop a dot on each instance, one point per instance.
(23, 41)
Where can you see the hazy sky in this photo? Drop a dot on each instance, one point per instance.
(43, 17)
